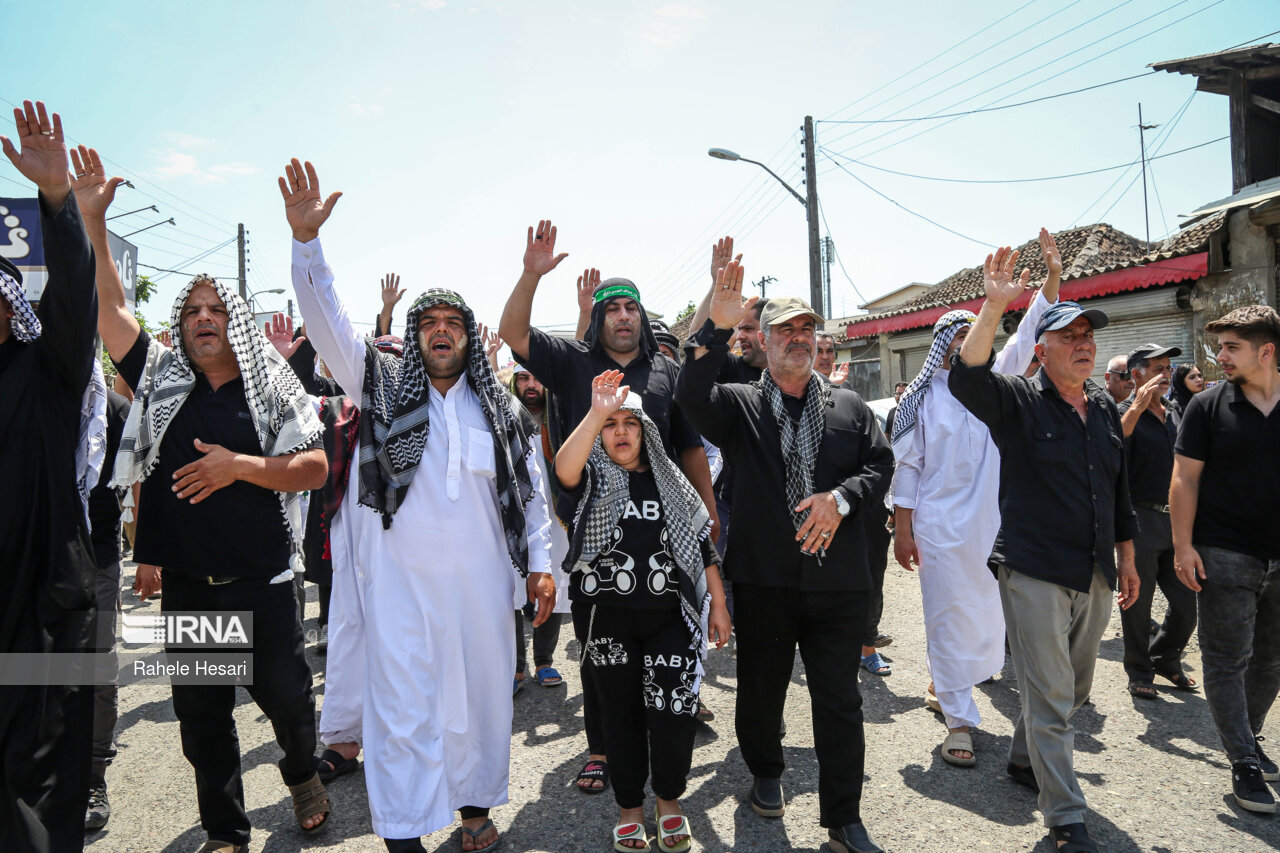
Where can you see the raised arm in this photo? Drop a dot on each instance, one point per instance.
(607, 396)
(721, 255)
(392, 293)
(94, 193)
(329, 328)
(587, 284)
(1002, 288)
(540, 258)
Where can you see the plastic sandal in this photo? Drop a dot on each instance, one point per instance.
(931, 702)
(330, 765)
(628, 832)
(669, 827)
(309, 800)
(594, 770)
(1143, 690)
(519, 683)
(547, 676)
(960, 741)
(1076, 837)
(481, 830)
(1180, 681)
(876, 665)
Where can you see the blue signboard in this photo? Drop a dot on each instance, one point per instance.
(21, 243)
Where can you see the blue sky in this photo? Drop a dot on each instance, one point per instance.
(451, 125)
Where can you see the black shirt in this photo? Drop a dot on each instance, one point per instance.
(853, 456)
(566, 368)
(1150, 450)
(1064, 491)
(637, 569)
(239, 530)
(104, 501)
(1240, 484)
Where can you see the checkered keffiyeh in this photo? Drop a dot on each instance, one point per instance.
(282, 412)
(944, 332)
(25, 324)
(606, 489)
(394, 425)
(799, 443)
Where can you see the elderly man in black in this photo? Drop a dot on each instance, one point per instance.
(809, 459)
(1062, 459)
(1150, 430)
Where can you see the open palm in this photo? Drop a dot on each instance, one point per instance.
(43, 155)
(608, 393)
(94, 191)
(998, 278)
(540, 255)
(303, 208)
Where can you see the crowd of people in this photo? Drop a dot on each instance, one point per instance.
(666, 494)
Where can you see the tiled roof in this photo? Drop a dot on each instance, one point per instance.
(1085, 252)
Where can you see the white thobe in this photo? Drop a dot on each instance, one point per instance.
(437, 588)
(559, 542)
(950, 476)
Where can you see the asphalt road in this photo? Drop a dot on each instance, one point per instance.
(1153, 772)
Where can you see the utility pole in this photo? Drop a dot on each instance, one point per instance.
(811, 210)
(1142, 142)
(828, 256)
(763, 283)
(244, 290)
(290, 315)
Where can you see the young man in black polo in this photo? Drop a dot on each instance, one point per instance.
(1226, 486)
(1150, 429)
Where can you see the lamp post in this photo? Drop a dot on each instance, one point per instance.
(810, 204)
(275, 290)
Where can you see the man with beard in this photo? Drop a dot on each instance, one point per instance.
(48, 578)
(618, 338)
(529, 391)
(807, 456)
(1225, 488)
(222, 437)
(448, 514)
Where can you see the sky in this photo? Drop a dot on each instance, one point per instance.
(452, 125)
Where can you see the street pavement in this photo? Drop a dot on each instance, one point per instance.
(1153, 772)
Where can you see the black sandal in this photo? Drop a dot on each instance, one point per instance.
(331, 765)
(1076, 837)
(1180, 681)
(1143, 690)
(592, 771)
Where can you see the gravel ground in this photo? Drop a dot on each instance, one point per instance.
(1153, 772)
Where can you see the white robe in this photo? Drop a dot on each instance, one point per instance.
(950, 477)
(437, 589)
(559, 543)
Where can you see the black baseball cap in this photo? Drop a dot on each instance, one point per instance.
(1150, 351)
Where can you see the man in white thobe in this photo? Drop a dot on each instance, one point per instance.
(946, 499)
(445, 510)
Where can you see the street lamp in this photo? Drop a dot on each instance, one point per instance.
(275, 290)
(810, 205)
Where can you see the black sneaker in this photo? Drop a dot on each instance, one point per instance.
(99, 811)
(767, 799)
(1270, 772)
(1250, 791)
(1024, 776)
(852, 838)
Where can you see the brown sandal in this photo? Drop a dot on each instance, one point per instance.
(309, 800)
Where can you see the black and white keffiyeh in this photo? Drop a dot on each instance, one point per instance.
(283, 415)
(25, 325)
(394, 425)
(606, 490)
(944, 332)
(799, 443)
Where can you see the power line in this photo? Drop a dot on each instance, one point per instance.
(904, 207)
(832, 244)
(990, 109)
(1016, 180)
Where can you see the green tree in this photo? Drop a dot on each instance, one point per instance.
(687, 311)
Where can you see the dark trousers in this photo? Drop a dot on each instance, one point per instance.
(106, 708)
(590, 699)
(878, 538)
(1145, 655)
(643, 672)
(1239, 645)
(545, 638)
(827, 627)
(724, 511)
(326, 593)
(281, 688)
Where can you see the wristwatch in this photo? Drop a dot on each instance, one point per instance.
(842, 505)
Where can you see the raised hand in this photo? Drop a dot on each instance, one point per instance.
(43, 155)
(1001, 287)
(392, 292)
(94, 190)
(492, 343)
(587, 284)
(1151, 390)
(608, 393)
(839, 373)
(540, 255)
(727, 306)
(302, 205)
(280, 332)
(166, 339)
(721, 255)
(1052, 258)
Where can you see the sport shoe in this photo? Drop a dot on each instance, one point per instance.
(1250, 791)
(1270, 772)
(99, 811)
(322, 644)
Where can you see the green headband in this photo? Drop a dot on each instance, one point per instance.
(617, 290)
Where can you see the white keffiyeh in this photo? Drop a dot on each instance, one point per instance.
(944, 332)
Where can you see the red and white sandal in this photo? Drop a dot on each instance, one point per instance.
(629, 832)
(669, 827)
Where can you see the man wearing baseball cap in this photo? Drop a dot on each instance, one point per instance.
(1065, 514)
(809, 460)
(1151, 430)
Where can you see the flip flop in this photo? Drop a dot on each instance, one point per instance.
(1143, 690)
(336, 765)
(481, 830)
(519, 683)
(592, 771)
(1180, 681)
(547, 676)
(876, 665)
(962, 742)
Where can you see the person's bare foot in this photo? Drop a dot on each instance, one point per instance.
(666, 809)
(596, 783)
(483, 839)
(347, 750)
(628, 816)
(960, 753)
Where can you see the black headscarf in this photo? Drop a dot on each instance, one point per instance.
(648, 343)
(1178, 390)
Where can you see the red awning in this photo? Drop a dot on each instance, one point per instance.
(1186, 268)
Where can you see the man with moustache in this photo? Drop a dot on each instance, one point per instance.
(1225, 488)
(809, 460)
